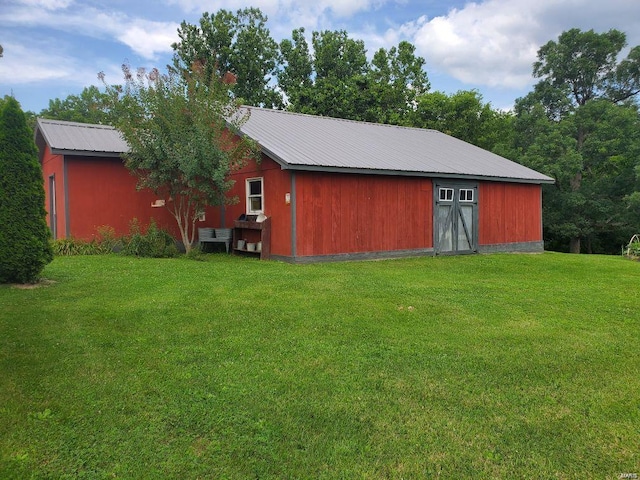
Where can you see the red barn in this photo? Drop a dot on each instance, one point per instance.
(86, 184)
(332, 189)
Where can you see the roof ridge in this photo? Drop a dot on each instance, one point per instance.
(338, 119)
(51, 121)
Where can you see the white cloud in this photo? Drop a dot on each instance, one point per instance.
(268, 7)
(482, 44)
(340, 8)
(345, 8)
(34, 64)
(146, 38)
(48, 4)
(494, 43)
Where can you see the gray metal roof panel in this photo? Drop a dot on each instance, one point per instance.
(310, 142)
(81, 138)
(305, 141)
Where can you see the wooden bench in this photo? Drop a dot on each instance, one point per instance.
(215, 235)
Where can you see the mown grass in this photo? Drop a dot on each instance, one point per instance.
(496, 366)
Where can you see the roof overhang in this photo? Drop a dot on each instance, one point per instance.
(80, 153)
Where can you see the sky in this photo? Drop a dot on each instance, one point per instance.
(55, 48)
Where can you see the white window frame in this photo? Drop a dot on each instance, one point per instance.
(468, 195)
(445, 194)
(249, 196)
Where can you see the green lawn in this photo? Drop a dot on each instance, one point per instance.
(486, 366)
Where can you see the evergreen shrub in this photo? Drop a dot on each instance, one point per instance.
(25, 246)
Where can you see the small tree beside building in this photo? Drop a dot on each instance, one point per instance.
(180, 128)
(25, 246)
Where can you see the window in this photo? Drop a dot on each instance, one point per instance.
(255, 196)
(466, 195)
(446, 194)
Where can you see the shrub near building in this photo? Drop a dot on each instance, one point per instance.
(24, 235)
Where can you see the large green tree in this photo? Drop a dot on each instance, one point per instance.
(91, 106)
(25, 248)
(332, 81)
(580, 125)
(396, 80)
(295, 76)
(584, 66)
(336, 80)
(180, 128)
(238, 43)
(463, 115)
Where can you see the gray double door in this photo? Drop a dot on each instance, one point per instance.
(455, 217)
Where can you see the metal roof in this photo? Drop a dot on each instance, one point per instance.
(307, 142)
(81, 138)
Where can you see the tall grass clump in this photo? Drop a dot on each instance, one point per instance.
(105, 242)
(154, 243)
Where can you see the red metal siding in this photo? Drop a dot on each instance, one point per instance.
(509, 213)
(349, 213)
(101, 191)
(335, 213)
(277, 185)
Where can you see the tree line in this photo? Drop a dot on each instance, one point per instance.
(580, 124)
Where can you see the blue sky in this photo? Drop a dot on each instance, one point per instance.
(55, 48)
